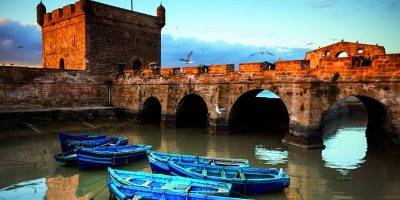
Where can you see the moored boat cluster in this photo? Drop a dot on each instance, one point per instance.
(174, 176)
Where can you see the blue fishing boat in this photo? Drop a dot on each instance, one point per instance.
(159, 161)
(244, 180)
(122, 191)
(70, 157)
(67, 158)
(116, 141)
(166, 182)
(90, 136)
(98, 157)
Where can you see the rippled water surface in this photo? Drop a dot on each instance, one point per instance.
(28, 170)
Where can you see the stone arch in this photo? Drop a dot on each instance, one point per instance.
(252, 112)
(342, 54)
(191, 110)
(379, 126)
(151, 110)
(270, 87)
(62, 63)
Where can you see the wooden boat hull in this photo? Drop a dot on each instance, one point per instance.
(244, 180)
(166, 182)
(99, 157)
(90, 136)
(121, 191)
(159, 161)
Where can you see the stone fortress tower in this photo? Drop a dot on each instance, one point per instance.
(99, 38)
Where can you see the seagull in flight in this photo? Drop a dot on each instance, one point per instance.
(219, 110)
(262, 52)
(188, 59)
(20, 47)
(308, 43)
(333, 39)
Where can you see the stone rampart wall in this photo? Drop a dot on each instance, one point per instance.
(27, 89)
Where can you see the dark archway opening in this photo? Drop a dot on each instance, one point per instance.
(349, 112)
(62, 64)
(151, 112)
(136, 65)
(359, 111)
(379, 124)
(191, 112)
(255, 112)
(352, 127)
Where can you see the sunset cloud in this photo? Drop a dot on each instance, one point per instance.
(6, 42)
(27, 37)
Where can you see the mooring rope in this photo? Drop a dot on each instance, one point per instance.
(247, 197)
(99, 192)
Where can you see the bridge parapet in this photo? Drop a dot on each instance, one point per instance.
(381, 68)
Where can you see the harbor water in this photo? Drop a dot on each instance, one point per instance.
(346, 169)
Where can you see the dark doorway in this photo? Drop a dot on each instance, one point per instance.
(121, 68)
(256, 112)
(137, 65)
(151, 112)
(191, 112)
(62, 65)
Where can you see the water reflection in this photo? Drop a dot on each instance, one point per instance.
(32, 189)
(60, 187)
(271, 156)
(345, 150)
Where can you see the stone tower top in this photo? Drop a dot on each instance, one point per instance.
(89, 35)
(161, 15)
(40, 11)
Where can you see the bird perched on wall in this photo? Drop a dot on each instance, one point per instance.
(219, 110)
(152, 64)
(262, 52)
(188, 59)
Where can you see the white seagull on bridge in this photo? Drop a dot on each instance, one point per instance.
(219, 110)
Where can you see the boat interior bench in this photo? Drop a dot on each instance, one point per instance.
(177, 186)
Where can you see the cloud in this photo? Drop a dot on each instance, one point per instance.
(20, 44)
(320, 4)
(6, 42)
(209, 53)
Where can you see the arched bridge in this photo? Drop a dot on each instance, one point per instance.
(224, 100)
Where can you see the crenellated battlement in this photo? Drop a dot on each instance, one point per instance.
(372, 60)
(61, 14)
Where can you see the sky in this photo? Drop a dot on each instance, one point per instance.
(227, 31)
